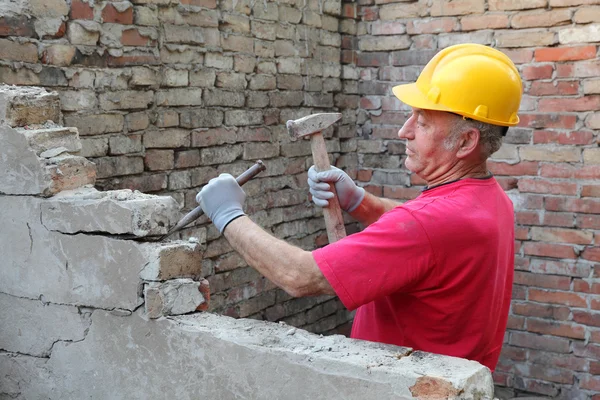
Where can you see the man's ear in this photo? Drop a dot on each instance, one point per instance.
(468, 143)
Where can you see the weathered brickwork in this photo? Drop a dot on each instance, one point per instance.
(549, 164)
(168, 94)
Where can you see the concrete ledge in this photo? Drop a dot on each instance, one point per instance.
(115, 212)
(46, 140)
(210, 356)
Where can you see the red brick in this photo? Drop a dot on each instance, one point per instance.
(486, 21)
(555, 328)
(200, 3)
(557, 297)
(520, 169)
(558, 170)
(157, 160)
(349, 42)
(588, 206)
(187, 158)
(364, 175)
(549, 250)
(532, 341)
(591, 254)
(515, 322)
(595, 336)
(561, 88)
(513, 353)
(112, 15)
(507, 183)
(559, 313)
(537, 185)
(561, 235)
(555, 360)
(19, 25)
(558, 219)
(533, 72)
(586, 318)
(391, 118)
(396, 192)
(373, 59)
(549, 374)
(590, 191)
(133, 59)
(540, 18)
(564, 70)
(590, 383)
(588, 222)
(570, 137)
(527, 217)
(565, 53)
(349, 57)
(349, 10)
(369, 13)
(519, 292)
(568, 268)
(585, 103)
(588, 172)
(81, 10)
(132, 37)
(595, 368)
(543, 281)
(548, 121)
(374, 189)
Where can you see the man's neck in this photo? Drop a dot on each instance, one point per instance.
(460, 172)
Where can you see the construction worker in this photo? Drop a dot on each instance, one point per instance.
(436, 272)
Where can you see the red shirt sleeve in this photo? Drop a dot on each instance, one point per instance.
(390, 255)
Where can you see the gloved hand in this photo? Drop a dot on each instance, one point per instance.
(221, 200)
(349, 195)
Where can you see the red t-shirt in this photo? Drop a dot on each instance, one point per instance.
(434, 273)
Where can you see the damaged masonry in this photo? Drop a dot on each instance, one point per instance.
(91, 307)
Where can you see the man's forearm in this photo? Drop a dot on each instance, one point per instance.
(289, 267)
(371, 208)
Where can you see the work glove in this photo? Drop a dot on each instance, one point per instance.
(221, 200)
(349, 195)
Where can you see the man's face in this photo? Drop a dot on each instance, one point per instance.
(425, 132)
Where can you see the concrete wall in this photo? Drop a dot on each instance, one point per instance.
(550, 164)
(92, 307)
(168, 94)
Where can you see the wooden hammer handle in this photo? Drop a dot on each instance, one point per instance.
(334, 223)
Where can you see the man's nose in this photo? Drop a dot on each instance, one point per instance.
(405, 132)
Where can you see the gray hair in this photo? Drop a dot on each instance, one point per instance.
(490, 136)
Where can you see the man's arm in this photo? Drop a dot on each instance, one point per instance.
(371, 208)
(289, 267)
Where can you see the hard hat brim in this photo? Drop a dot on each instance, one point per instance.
(410, 94)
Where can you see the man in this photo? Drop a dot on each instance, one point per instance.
(434, 273)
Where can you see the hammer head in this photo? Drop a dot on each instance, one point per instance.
(310, 124)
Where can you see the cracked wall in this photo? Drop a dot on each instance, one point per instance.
(92, 307)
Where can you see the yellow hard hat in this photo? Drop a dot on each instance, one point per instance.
(471, 80)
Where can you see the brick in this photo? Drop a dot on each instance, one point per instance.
(591, 156)
(135, 37)
(117, 166)
(126, 100)
(59, 55)
(533, 341)
(213, 137)
(238, 43)
(524, 38)
(549, 250)
(591, 86)
(216, 97)
(145, 16)
(172, 297)
(503, 5)
(538, 72)
(536, 185)
(558, 219)
(591, 254)
(122, 14)
(449, 39)
(581, 34)
(542, 280)
(565, 53)
(585, 103)
(202, 78)
(571, 137)
(542, 310)
(96, 124)
(590, 191)
(125, 144)
(588, 221)
(585, 15)
(77, 100)
(264, 30)
(457, 7)
(158, 160)
(591, 206)
(556, 328)
(553, 154)
(558, 235)
(93, 147)
(11, 50)
(255, 150)
(243, 117)
(519, 56)
(17, 25)
(560, 88)
(231, 80)
(588, 172)
(545, 18)
(556, 297)
(244, 63)
(220, 155)
(187, 158)
(201, 118)
(548, 121)
(166, 138)
(586, 317)
(184, 34)
(486, 21)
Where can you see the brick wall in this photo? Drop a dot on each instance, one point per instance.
(549, 165)
(167, 94)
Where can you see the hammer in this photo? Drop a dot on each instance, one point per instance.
(312, 126)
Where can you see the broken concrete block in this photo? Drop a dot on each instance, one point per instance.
(46, 139)
(173, 297)
(171, 260)
(25, 173)
(38, 330)
(23, 105)
(115, 212)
